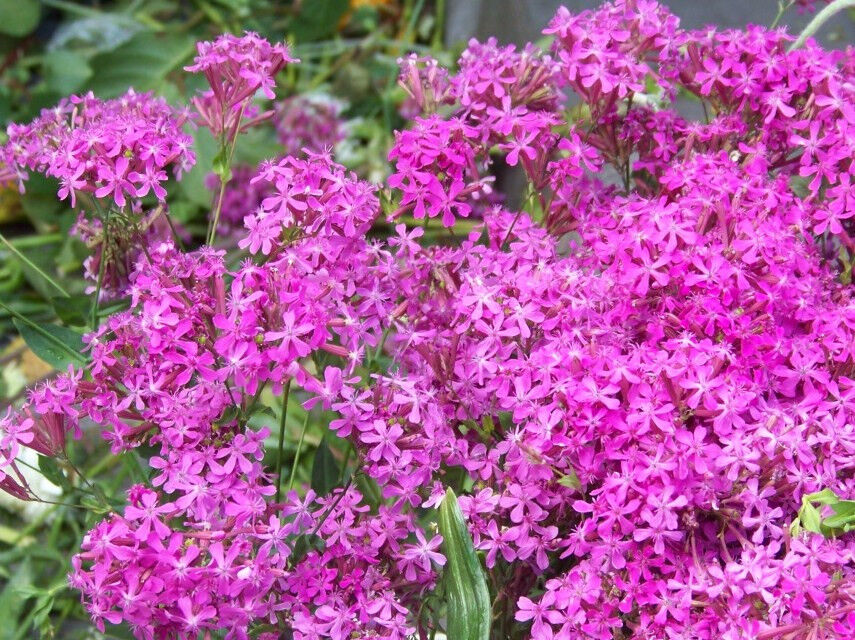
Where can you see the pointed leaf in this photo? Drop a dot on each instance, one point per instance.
(467, 596)
(56, 345)
(325, 471)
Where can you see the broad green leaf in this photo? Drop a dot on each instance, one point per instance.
(810, 518)
(143, 63)
(19, 17)
(192, 185)
(66, 71)
(11, 600)
(74, 310)
(303, 545)
(826, 496)
(96, 33)
(50, 470)
(467, 597)
(318, 19)
(54, 344)
(844, 513)
(325, 471)
(40, 203)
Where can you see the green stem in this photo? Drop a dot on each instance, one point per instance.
(81, 475)
(439, 27)
(38, 240)
(225, 176)
(102, 266)
(32, 266)
(297, 454)
(782, 9)
(216, 223)
(820, 19)
(287, 392)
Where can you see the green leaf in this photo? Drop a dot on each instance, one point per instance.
(66, 71)
(325, 471)
(19, 17)
(40, 203)
(467, 597)
(11, 600)
(826, 496)
(303, 545)
(810, 518)
(844, 513)
(570, 480)
(193, 186)
(142, 62)
(74, 310)
(56, 345)
(95, 33)
(221, 164)
(50, 470)
(318, 19)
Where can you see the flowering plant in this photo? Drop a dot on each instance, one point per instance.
(639, 384)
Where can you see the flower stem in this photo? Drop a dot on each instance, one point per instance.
(297, 454)
(782, 9)
(287, 393)
(101, 267)
(820, 19)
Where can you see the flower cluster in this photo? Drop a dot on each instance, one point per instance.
(505, 99)
(236, 68)
(634, 384)
(302, 125)
(118, 148)
(180, 371)
(642, 417)
(308, 122)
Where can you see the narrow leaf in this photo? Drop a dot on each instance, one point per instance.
(50, 470)
(467, 597)
(73, 310)
(56, 345)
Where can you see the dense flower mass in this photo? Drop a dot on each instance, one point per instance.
(236, 68)
(118, 149)
(634, 382)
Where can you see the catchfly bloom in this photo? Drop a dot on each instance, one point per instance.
(118, 149)
(637, 382)
(236, 68)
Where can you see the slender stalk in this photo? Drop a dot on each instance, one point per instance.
(287, 393)
(175, 235)
(219, 207)
(32, 265)
(102, 265)
(224, 178)
(439, 27)
(782, 9)
(39, 240)
(820, 19)
(297, 454)
(81, 475)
